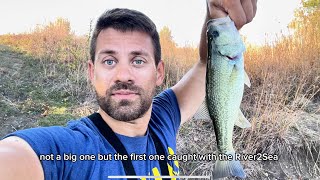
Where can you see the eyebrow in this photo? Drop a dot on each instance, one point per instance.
(141, 52)
(107, 51)
(136, 53)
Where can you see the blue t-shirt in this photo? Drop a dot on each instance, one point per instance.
(66, 148)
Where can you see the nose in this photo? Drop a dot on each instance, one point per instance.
(124, 73)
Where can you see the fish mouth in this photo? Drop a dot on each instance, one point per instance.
(230, 56)
(233, 58)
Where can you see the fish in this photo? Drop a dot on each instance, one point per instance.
(225, 79)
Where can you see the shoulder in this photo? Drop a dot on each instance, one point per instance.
(17, 154)
(166, 112)
(57, 138)
(165, 100)
(78, 137)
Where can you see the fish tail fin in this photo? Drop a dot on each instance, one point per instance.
(228, 168)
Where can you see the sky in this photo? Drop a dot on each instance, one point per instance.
(183, 17)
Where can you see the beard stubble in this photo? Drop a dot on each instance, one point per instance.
(126, 110)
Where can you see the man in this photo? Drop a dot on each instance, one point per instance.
(125, 67)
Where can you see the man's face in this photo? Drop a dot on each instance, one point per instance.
(124, 73)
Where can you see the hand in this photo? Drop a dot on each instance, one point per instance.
(240, 11)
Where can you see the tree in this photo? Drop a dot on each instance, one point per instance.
(308, 16)
(307, 24)
(167, 43)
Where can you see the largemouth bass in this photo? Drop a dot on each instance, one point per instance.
(225, 78)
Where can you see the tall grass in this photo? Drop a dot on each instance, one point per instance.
(61, 53)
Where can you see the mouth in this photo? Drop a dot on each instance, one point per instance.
(124, 94)
(233, 58)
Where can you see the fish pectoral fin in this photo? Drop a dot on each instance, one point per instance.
(202, 112)
(246, 79)
(242, 121)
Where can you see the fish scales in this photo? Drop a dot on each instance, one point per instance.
(224, 89)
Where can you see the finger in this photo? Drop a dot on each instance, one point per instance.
(248, 9)
(215, 9)
(207, 6)
(208, 10)
(236, 12)
(254, 6)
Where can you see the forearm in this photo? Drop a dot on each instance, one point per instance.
(203, 48)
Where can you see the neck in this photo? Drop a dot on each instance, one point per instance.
(134, 128)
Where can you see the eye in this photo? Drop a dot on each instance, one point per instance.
(109, 62)
(138, 62)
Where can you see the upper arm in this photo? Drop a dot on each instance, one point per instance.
(190, 91)
(18, 160)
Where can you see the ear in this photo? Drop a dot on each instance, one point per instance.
(91, 70)
(160, 73)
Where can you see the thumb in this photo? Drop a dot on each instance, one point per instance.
(235, 10)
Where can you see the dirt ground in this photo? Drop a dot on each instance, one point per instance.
(13, 77)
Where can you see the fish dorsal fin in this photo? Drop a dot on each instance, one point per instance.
(242, 121)
(203, 114)
(246, 79)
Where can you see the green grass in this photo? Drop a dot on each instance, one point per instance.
(56, 119)
(30, 87)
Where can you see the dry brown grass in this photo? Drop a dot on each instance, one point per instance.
(59, 51)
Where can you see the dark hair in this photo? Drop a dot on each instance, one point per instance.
(126, 20)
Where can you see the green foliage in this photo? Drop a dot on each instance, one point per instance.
(307, 25)
(309, 13)
(8, 109)
(311, 4)
(55, 119)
